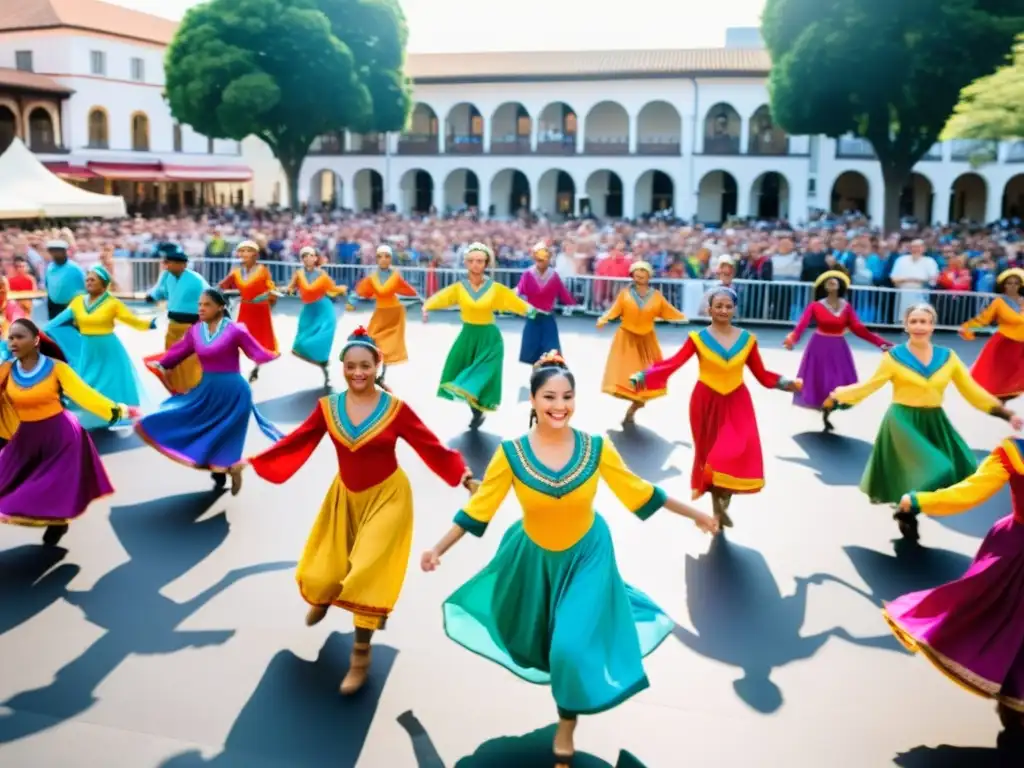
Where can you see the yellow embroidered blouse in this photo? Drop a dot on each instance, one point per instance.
(1004, 465)
(477, 307)
(97, 318)
(36, 396)
(1008, 319)
(558, 506)
(639, 313)
(919, 386)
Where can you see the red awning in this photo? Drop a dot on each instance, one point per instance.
(208, 173)
(129, 171)
(68, 171)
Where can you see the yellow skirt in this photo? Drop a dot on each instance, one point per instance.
(631, 353)
(186, 376)
(387, 328)
(358, 551)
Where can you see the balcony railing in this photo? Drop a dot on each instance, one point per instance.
(417, 144)
(510, 145)
(970, 150)
(659, 145)
(607, 145)
(557, 145)
(464, 145)
(1015, 152)
(721, 145)
(770, 146)
(366, 145)
(854, 148)
(331, 144)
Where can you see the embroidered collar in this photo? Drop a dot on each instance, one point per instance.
(641, 301)
(902, 355)
(836, 312)
(542, 278)
(476, 294)
(26, 379)
(531, 472)
(208, 337)
(311, 275)
(383, 275)
(92, 306)
(714, 346)
(355, 435)
(1014, 305)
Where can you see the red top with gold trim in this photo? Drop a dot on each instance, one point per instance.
(366, 452)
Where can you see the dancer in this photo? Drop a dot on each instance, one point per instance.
(181, 288)
(999, 368)
(972, 629)
(727, 455)
(315, 335)
(23, 282)
(917, 446)
(827, 362)
(50, 471)
(103, 362)
(551, 606)
(358, 551)
(259, 295)
(65, 280)
(472, 372)
(205, 428)
(635, 346)
(542, 287)
(387, 323)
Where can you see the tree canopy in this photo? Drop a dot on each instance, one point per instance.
(889, 71)
(288, 71)
(992, 107)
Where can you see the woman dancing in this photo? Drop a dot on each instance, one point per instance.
(387, 324)
(917, 446)
(635, 346)
(206, 427)
(551, 606)
(358, 551)
(999, 368)
(315, 335)
(50, 471)
(472, 372)
(972, 629)
(259, 295)
(103, 362)
(541, 286)
(827, 362)
(727, 455)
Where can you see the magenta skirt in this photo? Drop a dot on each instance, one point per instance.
(50, 473)
(827, 364)
(972, 629)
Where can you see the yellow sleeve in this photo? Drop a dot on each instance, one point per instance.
(8, 417)
(971, 390)
(506, 300)
(82, 394)
(126, 316)
(986, 317)
(987, 480)
(483, 505)
(854, 393)
(667, 312)
(616, 308)
(446, 297)
(636, 494)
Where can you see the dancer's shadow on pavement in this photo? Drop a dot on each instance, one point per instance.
(911, 569)
(646, 452)
(295, 407)
(743, 620)
(835, 458)
(532, 750)
(163, 541)
(297, 718)
(476, 448)
(1009, 753)
(32, 578)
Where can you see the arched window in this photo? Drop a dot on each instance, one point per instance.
(41, 136)
(140, 132)
(99, 136)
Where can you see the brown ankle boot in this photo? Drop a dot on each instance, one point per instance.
(315, 615)
(358, 669)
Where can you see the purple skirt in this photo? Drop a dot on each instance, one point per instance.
(972, 629)
(827, 364)
(50, 473)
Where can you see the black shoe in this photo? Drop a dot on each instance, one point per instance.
(53, 534)
(220, 479)
(477, 420)
(254, 375)
(827, 422)
(907, 522)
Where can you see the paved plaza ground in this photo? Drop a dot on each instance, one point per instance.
(168, 631)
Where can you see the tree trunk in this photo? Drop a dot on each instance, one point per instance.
(292, 165)
(895, 178)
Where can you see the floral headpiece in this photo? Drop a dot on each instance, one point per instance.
(541, 249)
(360, 338)
(481, 248)
(552, 359)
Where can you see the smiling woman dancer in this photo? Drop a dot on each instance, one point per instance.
(387, 324)
(999, 368)
(727, 456)
(102, 361)
(205, 428)
(315, 335)
(551, 606)
(49, 471)
(259, 295)
(472, 372)
(358, 551)
(917, 446)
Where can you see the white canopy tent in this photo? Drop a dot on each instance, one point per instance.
(29, 191)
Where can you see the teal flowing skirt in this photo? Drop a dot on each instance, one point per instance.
(104, 365)
(561, 618)
(315, 335)
(69, 340)
(472, 371)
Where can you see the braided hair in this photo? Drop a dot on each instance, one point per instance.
(549, 365)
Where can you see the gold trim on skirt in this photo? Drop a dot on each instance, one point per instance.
(185, 376)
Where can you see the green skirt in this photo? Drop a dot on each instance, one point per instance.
(472, 371)
(917, 449)
(561, 618)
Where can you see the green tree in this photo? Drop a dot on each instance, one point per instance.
(889, 71)
(993, 106)
(288, 71)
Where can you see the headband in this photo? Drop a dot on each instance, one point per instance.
(170, 252)
(721, 289)
(360, 338)
(636, 266)
(101, 272)
(308, 249)
(247, 244)
(480, 248)
(385, 249)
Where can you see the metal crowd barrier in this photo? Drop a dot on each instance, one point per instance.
(772, 303)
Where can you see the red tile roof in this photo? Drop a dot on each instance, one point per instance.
(29, 81)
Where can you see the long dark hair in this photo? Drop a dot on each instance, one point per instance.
(549, 366)
(47, 346)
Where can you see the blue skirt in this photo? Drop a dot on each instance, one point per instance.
(561, 618)
(206, 427)
(69, 340)
(540, 335)
(104, 365)
(315, 335)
